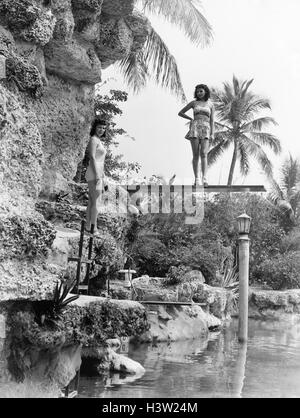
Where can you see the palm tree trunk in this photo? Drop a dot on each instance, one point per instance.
(233, 162)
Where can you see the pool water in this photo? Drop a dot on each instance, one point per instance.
(267, 366)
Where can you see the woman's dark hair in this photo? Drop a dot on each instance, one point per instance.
(95, 124)
(204, 87)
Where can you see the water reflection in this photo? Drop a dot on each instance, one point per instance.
(268, 366)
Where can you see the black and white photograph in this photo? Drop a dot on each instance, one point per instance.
(149, 202)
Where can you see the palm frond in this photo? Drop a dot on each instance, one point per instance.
(275, 193)
(245, 86)
(258, 124)
(185, 15)
(135, 71)
(256, 151)
(244, 158)
(294, 200)
(229, 93)
(214, 154)
(220, 145)
(225, 137)
(290, 174)
(254, 104)
(236, 86)
(221, 126)
(279, 198)
(157, 55)
(264, 138)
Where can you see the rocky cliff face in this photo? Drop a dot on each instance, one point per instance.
(51, 56)
(54, 52)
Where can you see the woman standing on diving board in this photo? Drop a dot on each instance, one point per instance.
(201, 129)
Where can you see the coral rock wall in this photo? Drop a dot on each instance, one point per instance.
(51, 56)
(55, 51)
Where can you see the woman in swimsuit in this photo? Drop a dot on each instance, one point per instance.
(201, 129)
(95, 171)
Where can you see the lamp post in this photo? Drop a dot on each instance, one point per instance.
(244, 222)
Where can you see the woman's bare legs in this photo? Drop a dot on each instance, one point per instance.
(195, 144)
(204, 146)
(92, 212)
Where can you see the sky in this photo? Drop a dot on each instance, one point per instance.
(252, 39)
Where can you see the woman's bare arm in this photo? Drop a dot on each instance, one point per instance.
(183, 111)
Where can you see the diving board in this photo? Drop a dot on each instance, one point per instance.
(131, 189)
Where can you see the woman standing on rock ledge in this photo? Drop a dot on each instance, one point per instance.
(95, 171)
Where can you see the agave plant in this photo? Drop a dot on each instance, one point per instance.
(60, 294)
(49, 312)
(230, 282)
(155, 59)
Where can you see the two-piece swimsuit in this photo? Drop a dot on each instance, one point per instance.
(200, 126)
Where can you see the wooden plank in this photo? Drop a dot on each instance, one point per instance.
(82, 260)
(160, 302)
(131, 189)
(235, 189)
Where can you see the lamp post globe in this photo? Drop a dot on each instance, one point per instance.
(244, 222)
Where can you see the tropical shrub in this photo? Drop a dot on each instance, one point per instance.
(162, 244)
(291, 242)
(280, 272)
(109, 256)
(151, 257)
(177, 244)
(175, 275)
(50, 311)
(266, 234)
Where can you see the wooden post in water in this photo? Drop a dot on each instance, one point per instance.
(244, 228)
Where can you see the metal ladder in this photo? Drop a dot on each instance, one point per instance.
(81, 260)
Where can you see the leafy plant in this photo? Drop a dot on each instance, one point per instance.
(291, 242)
(230, 278)
(49, 312)
(175, 275)
(280, 272)
(230, 282)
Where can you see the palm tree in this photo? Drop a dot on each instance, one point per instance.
(286, 195)
(155, 59)
(241, 126)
